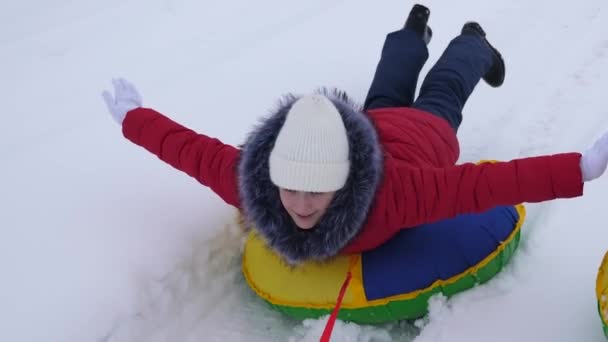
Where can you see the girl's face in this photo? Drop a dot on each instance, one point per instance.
(305, 208)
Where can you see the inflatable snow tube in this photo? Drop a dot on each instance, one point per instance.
(601, 291)
(394, 281)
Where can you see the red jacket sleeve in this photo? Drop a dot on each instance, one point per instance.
(427, 195)
(208, 160)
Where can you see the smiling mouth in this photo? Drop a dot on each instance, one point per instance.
(305, 216)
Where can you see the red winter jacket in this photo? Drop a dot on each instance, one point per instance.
(420, 184)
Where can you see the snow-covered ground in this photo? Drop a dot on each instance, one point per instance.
(103, 242)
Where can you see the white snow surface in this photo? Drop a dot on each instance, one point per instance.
(103, 242)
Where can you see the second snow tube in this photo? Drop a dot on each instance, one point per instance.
(601, 291)
(394, 281)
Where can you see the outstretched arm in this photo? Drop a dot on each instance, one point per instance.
(208, 160)
(429, 195)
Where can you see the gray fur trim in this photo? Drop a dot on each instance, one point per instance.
(348, 211)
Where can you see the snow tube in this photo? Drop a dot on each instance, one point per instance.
(394, 281)
(601, 291)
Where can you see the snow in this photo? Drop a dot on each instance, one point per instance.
(103, 242)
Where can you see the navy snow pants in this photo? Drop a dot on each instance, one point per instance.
(447, 85)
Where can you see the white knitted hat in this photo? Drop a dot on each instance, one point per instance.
(311, 150)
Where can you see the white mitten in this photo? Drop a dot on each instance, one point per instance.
(595, 159)
(126, 98)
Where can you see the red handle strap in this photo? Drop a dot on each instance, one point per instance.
(329, 326)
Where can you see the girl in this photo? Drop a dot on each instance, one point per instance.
(321, 176)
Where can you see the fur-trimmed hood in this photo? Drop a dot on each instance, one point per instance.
(348, 211)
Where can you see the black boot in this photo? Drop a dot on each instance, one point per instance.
(496, 75)
(417, 22)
